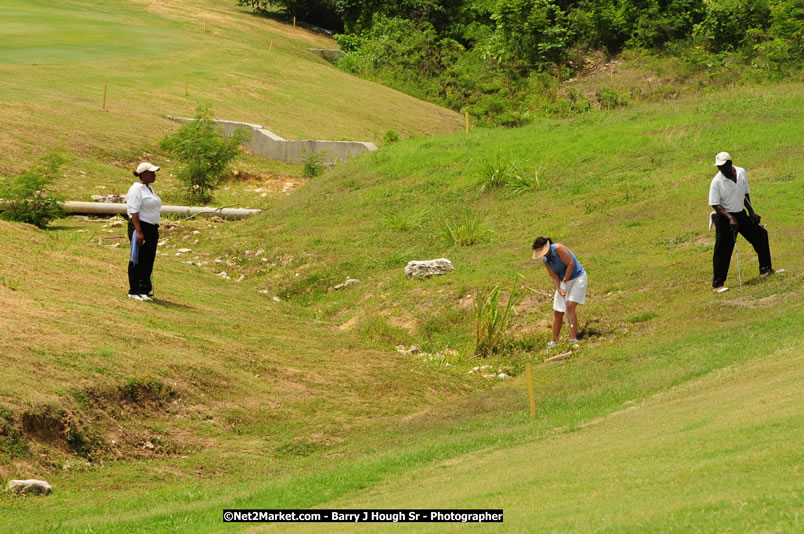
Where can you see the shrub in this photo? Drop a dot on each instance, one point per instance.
(390, 137)
(610, 99)
(492, 319)
(27, 198)
(204, 152)
(313, 165)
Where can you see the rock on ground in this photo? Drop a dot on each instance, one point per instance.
(426, 269)
(24, 487)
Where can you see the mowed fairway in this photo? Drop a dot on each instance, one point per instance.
(41, 32)
(721, 453)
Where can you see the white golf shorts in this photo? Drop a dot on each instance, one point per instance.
(576, 292)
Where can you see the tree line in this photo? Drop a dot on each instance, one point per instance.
(501, 59)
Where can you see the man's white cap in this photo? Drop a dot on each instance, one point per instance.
(720, 159)
(145, 166)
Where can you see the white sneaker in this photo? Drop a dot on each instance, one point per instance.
(552, 344)
(135, 297)
(572, 340)
(146, 298)
(766, 274)
(720, 289)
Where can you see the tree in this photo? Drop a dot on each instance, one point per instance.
(205, 153)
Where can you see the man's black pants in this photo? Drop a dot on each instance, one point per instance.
(139, 274)
(724, 245)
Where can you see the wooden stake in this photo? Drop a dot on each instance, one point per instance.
(294, 22)
(531, 395)
(104, 96)
(187, 87)
(466, 122)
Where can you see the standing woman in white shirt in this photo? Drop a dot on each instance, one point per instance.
(143, 207)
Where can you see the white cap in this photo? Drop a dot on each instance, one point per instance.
(722, 158)
(145, 166)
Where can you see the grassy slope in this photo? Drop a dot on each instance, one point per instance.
(145, 52)
(325, 228)
(275, 405)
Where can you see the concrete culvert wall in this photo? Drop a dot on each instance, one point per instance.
(269, 145)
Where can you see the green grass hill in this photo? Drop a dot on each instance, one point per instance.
(267, 388)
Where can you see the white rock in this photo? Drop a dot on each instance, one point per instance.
(185, 250)
(196, 232)
(426, 269)
(23, 487)
(223, 275)
(349, 282)
(276, 299)
(193, 263)
(242, 277)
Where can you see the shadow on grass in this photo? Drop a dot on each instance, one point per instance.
(171, 305)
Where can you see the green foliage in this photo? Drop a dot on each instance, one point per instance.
(27, 198)
(319, 12)
(492, 319)
(610, 99)
(472, 228)
(409, 220)
(313, 165)
(483, 57)
(205, 153)
(390, 137)
(505, 172)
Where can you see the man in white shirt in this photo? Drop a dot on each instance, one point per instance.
(728, 193)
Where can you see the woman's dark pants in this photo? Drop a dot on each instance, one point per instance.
(139, 274)
(724, 245)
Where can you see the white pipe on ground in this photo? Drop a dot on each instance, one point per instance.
(107, 208)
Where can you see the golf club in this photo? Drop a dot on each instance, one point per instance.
(737, 253)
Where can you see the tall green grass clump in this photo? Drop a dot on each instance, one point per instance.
(27, 198)
(204, 152)
(500, 172)
(467, 231)
(492, 319)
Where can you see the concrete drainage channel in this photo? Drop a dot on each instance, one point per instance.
(269, 145)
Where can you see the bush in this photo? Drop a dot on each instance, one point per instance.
(390, 137)
(27, 198)
(313, 165)
(205, 153)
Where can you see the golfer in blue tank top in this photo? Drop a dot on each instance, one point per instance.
(569, 280)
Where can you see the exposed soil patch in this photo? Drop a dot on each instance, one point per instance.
(268, 183)
(748, 302)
